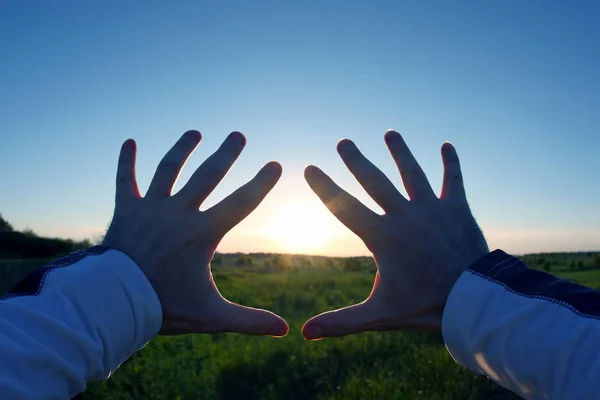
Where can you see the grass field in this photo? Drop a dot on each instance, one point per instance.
(363, 366)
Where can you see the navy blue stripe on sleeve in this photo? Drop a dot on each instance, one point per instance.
(31, 284)
(514, 275)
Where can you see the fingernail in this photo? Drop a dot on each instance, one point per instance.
(447, 146)
(273, 167)
(391, 135)
(129, 144)
(279, 328)
(311, 170)
(238, 137)
(346, 144)
(194, 134)
(313, 332)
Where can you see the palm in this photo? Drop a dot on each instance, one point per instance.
(420, 245)
(173, 242)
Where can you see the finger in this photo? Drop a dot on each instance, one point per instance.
(235, 207)
(211, 172)
(233, 317)
(453, 187)
(344, 321)
(370, 177)
(413, 177)
(126, 182)
(351, 212)
(169, 167)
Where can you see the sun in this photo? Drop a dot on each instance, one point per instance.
(301, 227)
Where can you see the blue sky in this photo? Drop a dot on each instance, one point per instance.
(513, 84)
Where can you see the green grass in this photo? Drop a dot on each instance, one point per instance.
(363, 366)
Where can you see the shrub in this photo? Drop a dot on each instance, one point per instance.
(21, 245)
(546, 266)
(5, 226)
(244, 260)
(352, 264)
(281, 262)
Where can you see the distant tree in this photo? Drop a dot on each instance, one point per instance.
(217, 259)
(29, 232)
(573, 264)
(546, 266)
(597, 260)
(580, 264)
(352, 264)
(541, 260)
(244, 260)
(281, 262)
(5, 226)
(301, 260)
(82, 244)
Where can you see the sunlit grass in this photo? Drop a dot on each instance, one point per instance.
(364, 366)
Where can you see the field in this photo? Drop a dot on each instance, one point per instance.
(364, 366)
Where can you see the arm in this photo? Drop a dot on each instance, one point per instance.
(74, 320)
(529, 331)
(80, 317)
(533, 333)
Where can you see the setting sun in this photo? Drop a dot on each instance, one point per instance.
(302, 227)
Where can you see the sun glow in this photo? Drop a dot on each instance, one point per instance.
(302, 228)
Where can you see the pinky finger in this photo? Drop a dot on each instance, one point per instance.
(126, 182)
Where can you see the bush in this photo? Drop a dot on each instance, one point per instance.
(5, 226)
(244, 260)
(352, 264)
(281, 262)
(301, 261)
(21, 245)
(546, 266)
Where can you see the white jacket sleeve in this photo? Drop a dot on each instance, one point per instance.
(74, 320)
(531, 332)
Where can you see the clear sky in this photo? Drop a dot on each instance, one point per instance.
(515, 85)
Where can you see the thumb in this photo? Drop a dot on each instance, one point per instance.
(249, 321)
(344, 321)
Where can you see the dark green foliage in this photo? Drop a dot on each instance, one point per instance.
(353, 264)
(20, 245)
(243, 260)
(301, 261)
(573, 264)
(281, 262)
(546, 266)
(5, 226)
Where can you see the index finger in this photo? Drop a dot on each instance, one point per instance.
(238, 205)
(346, 208)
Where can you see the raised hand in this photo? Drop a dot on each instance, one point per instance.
(173, 242)
(421, 245)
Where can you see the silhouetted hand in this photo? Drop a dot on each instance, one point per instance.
(173, 242)
(421, 246)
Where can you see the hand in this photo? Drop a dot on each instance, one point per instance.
(420, 246)
(173, 242)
